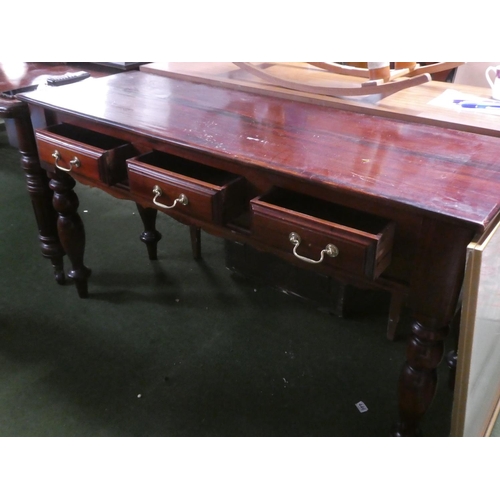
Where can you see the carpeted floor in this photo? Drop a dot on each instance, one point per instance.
(178, 347)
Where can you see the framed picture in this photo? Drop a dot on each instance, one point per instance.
(477, 386)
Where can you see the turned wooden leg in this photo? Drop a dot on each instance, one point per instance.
(150, 236)
(436, 285)
(195, 234)
(418, 380)
(37, 182)
(70, 228)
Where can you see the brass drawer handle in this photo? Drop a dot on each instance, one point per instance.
(75, 162)
(330, 250)
(182, 199)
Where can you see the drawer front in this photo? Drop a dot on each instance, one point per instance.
(84, 153)
(186, 189)
(323, 243)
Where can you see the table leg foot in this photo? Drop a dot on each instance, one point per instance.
(52, 250)
(80, 278)
(58, 267)
(400, 430)
(70, 228)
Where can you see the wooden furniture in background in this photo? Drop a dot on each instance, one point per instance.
(414, 105)
(380, 78)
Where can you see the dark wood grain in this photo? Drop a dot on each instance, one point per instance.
(40, 194)
(422, 167)
(20, 132)
(436, 189)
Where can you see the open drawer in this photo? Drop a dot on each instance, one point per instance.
(322, 233)
(179, 186)
(84, 153)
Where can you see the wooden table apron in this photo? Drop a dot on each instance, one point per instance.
(436, 188)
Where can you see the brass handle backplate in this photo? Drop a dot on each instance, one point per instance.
(182, 199)
(330, 250)
(75, 162)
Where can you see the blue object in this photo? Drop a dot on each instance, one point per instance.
(479, 106)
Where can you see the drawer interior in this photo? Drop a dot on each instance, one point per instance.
(187, 168)
(325, 210)
(85, 136)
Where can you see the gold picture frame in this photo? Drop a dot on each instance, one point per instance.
(477, 388)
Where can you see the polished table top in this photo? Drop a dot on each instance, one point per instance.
(432, 170)
(16, 75)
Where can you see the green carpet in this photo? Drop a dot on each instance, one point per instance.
(177, 347)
